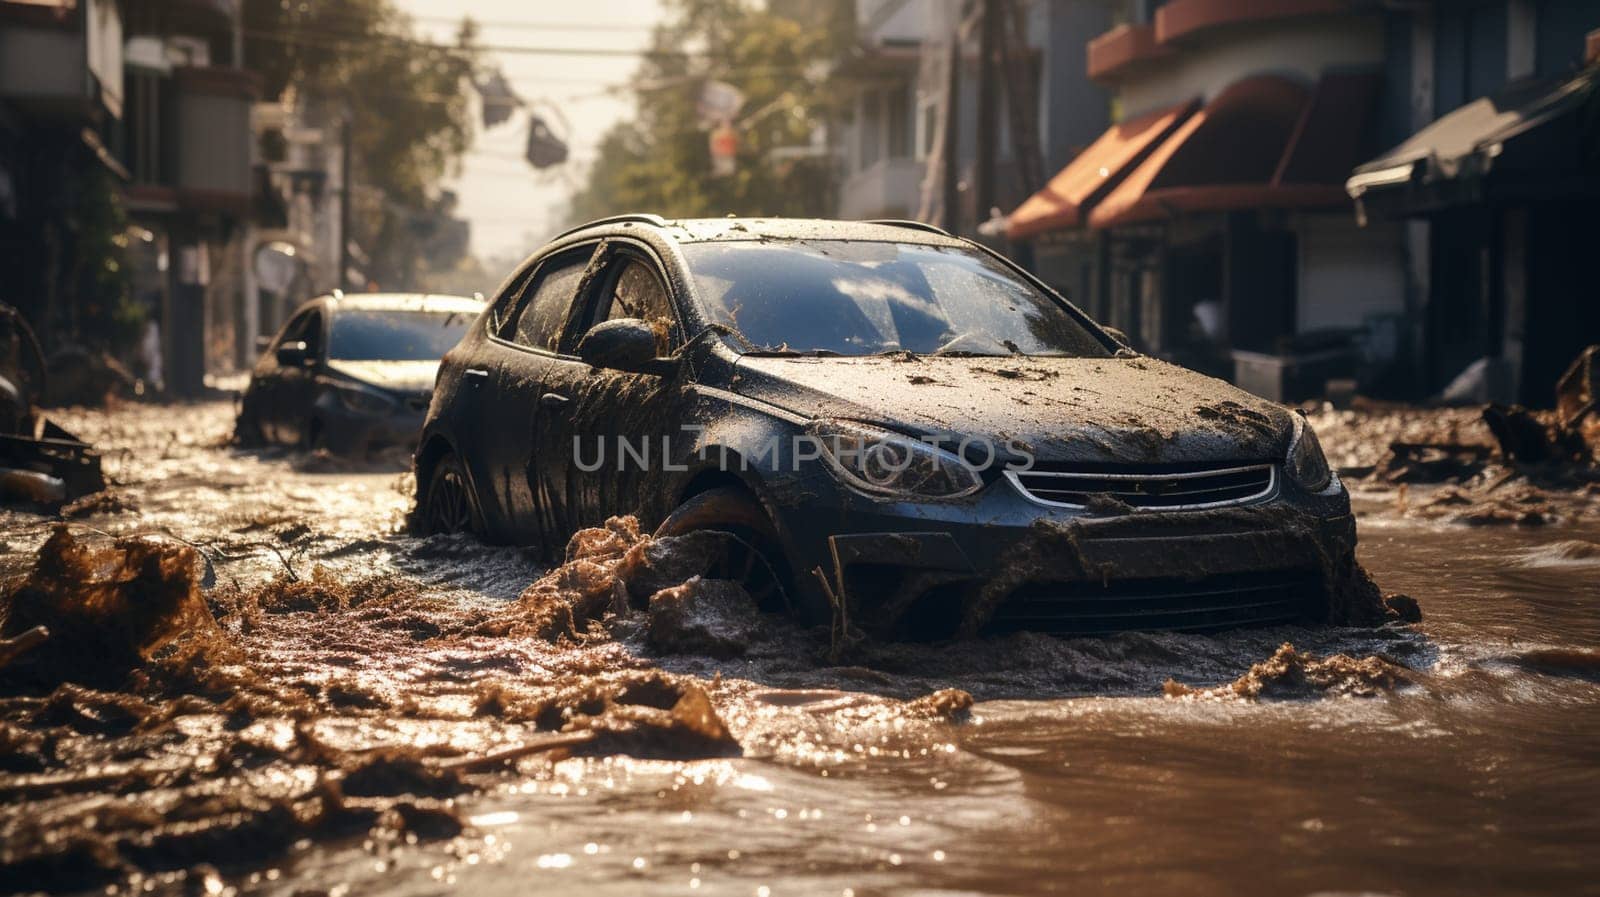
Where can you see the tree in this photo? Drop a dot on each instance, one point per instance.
(409, 102)
(660, 160)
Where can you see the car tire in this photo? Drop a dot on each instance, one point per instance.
(447, 507)
(755, 557)
(247, 429)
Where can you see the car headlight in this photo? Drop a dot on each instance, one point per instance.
(364, 401)
(1306, 464)
(879, 462)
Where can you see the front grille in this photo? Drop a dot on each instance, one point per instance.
(1177, 490)
(1240, 599)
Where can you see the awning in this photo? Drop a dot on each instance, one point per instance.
(1065, 200)
(1265, 142)
(1536, 139)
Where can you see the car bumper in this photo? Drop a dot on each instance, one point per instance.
(1000, 561)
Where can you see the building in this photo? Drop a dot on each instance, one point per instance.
(876, 137)
(125, 130)
(1209, 222)
(303, 178)
(918, 91)
(1497, 188)
(62, 102)
(189, 149)
(1213, 223)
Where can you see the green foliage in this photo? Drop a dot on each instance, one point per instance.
(660, 161)
(410, 102)
(410, 98)
(105, 312)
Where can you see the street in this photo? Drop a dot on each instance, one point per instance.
(371, 711)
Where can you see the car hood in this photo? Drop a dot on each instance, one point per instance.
(395, 376)
(1080, 410)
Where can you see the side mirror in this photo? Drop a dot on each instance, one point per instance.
(624, 344)
(263, 343)
(293, 355)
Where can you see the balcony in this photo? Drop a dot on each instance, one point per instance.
(1120, 49)
(62, 60)
(190, 141)
(1182, 20)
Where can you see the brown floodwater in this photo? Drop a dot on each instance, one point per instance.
(368, 712)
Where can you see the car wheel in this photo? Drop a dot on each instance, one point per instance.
(447, 505)
(753, 557)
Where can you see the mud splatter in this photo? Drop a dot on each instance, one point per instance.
(1291, 674)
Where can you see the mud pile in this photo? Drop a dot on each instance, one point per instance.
(92, 613)
(1451, 465)
(150, 727)
(1291, 674)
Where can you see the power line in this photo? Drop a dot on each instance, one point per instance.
(536, 26)
(332, 40)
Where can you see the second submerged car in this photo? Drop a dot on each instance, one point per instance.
(349, 373)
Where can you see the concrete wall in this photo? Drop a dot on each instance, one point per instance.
(1347, 273)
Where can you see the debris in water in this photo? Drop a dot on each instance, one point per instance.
(702, 616)
(647, 713)
(1290, 674)
(946, 703)
(106, 608)
(608, 569)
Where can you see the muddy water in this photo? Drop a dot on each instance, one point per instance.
(355, 726)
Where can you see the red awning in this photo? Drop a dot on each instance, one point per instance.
(1063, 202)
(1265, 142)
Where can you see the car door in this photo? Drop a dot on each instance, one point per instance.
(297, 384)
(608, 427)
(516, 361)
(267, 381)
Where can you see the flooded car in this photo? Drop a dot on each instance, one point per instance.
(898, 429)
(352, 373)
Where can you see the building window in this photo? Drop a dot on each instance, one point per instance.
(898, 131)
(870, 127)
(927, 124)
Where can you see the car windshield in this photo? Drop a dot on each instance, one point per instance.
(834, 297)
(395, 335)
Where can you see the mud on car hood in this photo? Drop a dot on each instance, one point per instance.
(394, 376)
(1085, 410)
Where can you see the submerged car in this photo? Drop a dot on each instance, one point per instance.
(882, 416)
(350, 373)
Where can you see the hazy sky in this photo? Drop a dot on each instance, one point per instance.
(511, 205)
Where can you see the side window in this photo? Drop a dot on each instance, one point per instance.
(306, 328)
(636, 292)
(291, 332)
(545, 302)
(313, 335)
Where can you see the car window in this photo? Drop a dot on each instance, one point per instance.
(306, 328)
(636, 292)
(545, 302)
(871, 297)
(396, 335)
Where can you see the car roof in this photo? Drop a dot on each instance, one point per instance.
(709, 230)
(426, 302)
